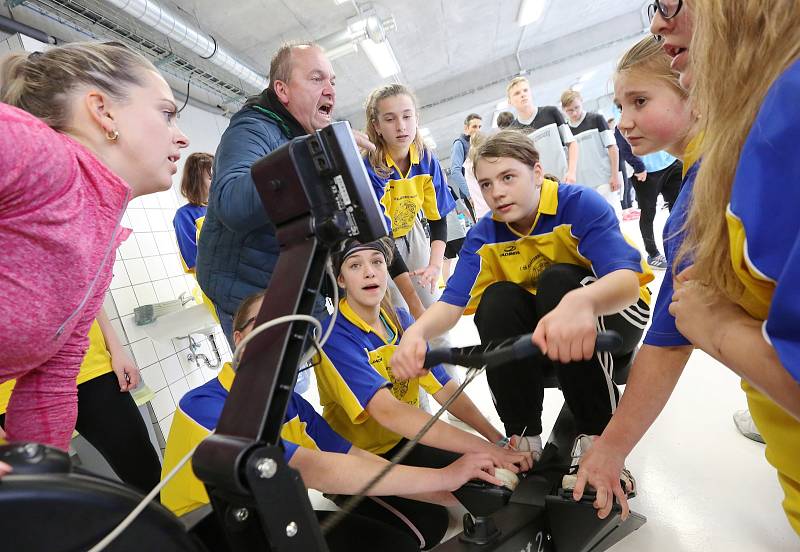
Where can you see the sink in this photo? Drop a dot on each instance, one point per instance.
(192, 320)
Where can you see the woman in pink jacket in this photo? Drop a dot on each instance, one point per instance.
(86, 127)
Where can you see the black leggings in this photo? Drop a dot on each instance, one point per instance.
(666, 182)
(111, 422)
(360, 532)
(425, 522)
(507, 309)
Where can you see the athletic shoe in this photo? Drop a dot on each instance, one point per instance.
(582, 445)
(631, 214)
(657, 262)
(532, 444)
(744, 423)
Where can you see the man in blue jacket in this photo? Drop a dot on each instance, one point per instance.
(237, 248)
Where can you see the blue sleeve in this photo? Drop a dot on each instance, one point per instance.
(233, 194)
(626, 153)
(457, 157)
(289, 449)
(204, 404)
(444, 201)
(316, 426)
(379, 189)
(599, 237)
(662, 331)
(350, 360)
(186, 232)
(765, 196)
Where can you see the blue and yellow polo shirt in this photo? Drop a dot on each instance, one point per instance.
(662, 331)
(573, 225)
(197, 415)
(763, 222)
(187, 222)
(403, 196)
(354, 366)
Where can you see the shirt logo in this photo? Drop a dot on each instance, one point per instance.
(509, 251)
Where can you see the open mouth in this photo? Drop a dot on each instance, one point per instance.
(673, 51)
(325, 110)
(174, 158)
(371, 287)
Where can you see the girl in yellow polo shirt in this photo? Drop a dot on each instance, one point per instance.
(740, 302)
(107, 415)
(363, 401)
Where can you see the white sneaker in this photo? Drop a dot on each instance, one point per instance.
(746, 426)
(530, 443)
(583, 443)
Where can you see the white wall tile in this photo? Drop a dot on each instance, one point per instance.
(179, 286)
(135, 203)
(139, 222)
(165, 242)
(134, 332)
(163, 350)
(195, 379)
(187, 366)
(145, 294)
(120, 278)
(144, 353)
(169, 215)
(208, 373)
(156, 220)
(125, 300)
(129, 249)
(109, 307)
(162, 403)
(150, 201)
(155, 267)
(137, 271)
(173, 265)
(167, 200)
(172, 369)
(154, 377)
(166, 425)
(147, 244)
(179, 389)
(163, 291)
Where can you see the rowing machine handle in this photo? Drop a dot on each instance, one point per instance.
(520, 349)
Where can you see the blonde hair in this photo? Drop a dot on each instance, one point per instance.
(729, 87)
(377, 158)
(507, 143)
(475, 142)
(42, 83)
(515, 81)
(570, 96)
(647, 59)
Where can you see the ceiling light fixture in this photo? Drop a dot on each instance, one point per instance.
(530, 11)
(369, 32)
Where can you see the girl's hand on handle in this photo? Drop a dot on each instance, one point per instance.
(409, 357)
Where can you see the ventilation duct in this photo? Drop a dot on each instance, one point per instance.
(161, 20)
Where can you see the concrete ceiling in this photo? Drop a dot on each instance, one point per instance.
(456, 54)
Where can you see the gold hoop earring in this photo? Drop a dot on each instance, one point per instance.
(112, 135)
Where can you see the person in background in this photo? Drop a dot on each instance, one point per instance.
(195, 184)
(472, 124)
(662, 176)
(597, 166)
(108, 417)
(639, 172)
(86, 127)
(545, 125)
(504, 119)
(478, 203)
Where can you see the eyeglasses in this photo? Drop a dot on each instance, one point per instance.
(247, 323)
(666, 8)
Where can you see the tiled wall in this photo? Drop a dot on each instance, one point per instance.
(148, 270)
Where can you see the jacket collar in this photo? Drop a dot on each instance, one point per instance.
(267, 103)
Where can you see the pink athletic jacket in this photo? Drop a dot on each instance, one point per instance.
(60, 212)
